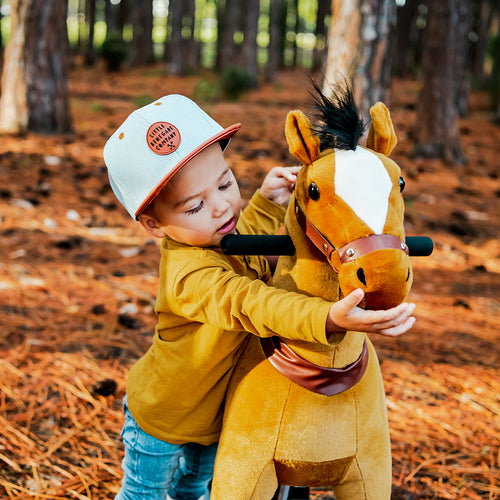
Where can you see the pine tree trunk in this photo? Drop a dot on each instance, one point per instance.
(494, 83)
(142, 52)
(320, 33)
(405, 40)
(249, 49)
(232, 18)
(437, 132)
(13, 100)
(274, 40)
(296, 30)
(34, 87)
(110, 17)
(173, 48)
(358, 49)
(90, 16)
(229, 15)
(1, 40)
(485, 17)
(190, 49)
(463, 63)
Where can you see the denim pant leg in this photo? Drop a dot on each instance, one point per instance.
(195, 472)
(149, 463)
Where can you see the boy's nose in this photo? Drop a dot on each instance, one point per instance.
(221, 206)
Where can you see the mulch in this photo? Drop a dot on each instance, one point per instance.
(78, 281)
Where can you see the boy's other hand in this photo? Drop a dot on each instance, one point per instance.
(279, 183)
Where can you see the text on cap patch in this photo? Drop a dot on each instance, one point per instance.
(163, 138)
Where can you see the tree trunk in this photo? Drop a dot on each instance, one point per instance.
(90, 16)
(437, 132)
(462, 54)
(123, 15)
(494, 83)
(358, 49)
(249, 49)
(484, 18)
(320, 33)
(110, 15)
(142, 52)
(81, 26)
(283, 31)
(1, 40)
(116, 16)
(229, 16)
(173, 48)
(34, 87)
(296, 30)
(190, 48)
(404, 60)
(273, 48)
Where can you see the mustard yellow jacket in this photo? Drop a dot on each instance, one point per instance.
(207, 305)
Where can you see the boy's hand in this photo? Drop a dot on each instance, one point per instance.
(279, 183)
(346, 315)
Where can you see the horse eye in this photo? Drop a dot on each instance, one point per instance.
(402, 184)
(313, 191)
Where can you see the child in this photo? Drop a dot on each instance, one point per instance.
(166, 166)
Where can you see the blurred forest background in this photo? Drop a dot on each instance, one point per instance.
(78, 278)
(450, 45)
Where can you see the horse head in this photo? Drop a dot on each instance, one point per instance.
(347, 199)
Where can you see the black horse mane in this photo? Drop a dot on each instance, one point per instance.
(339, 123)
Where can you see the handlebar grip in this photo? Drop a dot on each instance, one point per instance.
(250, 244)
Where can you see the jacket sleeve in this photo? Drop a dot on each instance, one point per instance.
(208, 293)
(261, 216)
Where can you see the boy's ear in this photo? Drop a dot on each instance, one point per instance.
(151, 225)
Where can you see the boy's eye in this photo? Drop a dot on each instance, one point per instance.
(225, 185)
(196, 209)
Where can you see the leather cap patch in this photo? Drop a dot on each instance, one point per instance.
(163, 138)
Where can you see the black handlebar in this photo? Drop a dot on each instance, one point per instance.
(236, 244)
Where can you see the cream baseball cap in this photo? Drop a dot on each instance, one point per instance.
(154, 143)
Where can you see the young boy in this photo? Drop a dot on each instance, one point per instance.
(166, 166)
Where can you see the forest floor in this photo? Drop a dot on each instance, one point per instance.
(78, 279)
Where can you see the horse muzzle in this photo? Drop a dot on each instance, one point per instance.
(385, 276)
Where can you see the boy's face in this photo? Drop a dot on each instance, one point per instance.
(199, 205)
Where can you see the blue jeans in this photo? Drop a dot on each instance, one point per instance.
(152, 468)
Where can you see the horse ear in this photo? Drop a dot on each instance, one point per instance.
(302, 141)
(381, 136)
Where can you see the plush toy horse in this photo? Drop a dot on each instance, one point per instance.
(312, 415)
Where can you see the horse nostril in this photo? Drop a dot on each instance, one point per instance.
(408, 277)
(361, 275)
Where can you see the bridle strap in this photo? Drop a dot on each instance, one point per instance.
(363, 246)
(315, 236)
(350, 251)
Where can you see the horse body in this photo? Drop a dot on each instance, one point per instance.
(276, 431)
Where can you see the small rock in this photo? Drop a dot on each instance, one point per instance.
(105, 387)
(129, 322)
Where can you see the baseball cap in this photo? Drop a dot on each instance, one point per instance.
(154, 143)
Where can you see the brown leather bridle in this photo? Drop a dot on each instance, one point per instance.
(351, 251)
(327, 381)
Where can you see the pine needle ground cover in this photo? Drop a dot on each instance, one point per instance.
(78, 280)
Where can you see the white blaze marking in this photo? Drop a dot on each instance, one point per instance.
(362, 181)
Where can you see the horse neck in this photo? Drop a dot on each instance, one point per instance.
(309, 272)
